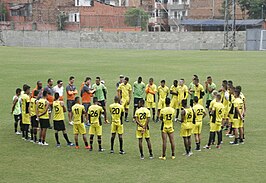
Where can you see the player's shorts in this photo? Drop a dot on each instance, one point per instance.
(168, 129)
(161, 104)
(215, 127)
(185, 132)
(124, 103)
(59, 125)
(197, 128)
(86, 106)
(174, 103)
(226, 113)
(142, 134)
(117, 128)
(79, 129)
(136, 101)
(26, 119)
(17, 118)
(34, 122)
(96, 129)
(150, 105)
(208, 102)
(70, 103)
(44, 123)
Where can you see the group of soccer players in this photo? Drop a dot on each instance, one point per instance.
(226, 107)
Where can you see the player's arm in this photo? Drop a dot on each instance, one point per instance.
(63, 105)
(119, 92)
(137, 121)
(239, 113)
(183, 113)
(36, 109)
(14, 104)
(186, 94)
(173, 93)
(147, 123)
(129, 94)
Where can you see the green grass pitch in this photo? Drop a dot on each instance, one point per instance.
(22, 161)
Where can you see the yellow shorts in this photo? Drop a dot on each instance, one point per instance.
(117, 128)
(96, 129)
(215, 127)
(168, 129)
(150, 105)
(79, 129)
(25, 119)
(197, 128)
(237, 123)
(161, 104)
(185, 132)
(140, 134)
(125, 103)
(174, 104)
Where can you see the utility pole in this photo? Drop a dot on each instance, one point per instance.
(230, 25)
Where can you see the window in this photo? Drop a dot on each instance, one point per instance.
(82, 2)
(175, 14)
(73, 17)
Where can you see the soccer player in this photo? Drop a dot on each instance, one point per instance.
(16, 111)
(39, 88)
(238, 118)
(182, 94)
(199, 90)
(33, 117)
(142, 117)
(25, 108)
(50, 95)
(199, 114)
(71, 91)
(78, 112)
(59, 88)
(95, 123)
(117, 111)
(191, 90)
(209, 88)
(242, 96)
(225, 97)
(151, 90)
(138, 92)
(215, 126)
(186, 127)
(231, 110)
(58, 118)
(163, 92)
(121, 80)
(174, 100)
(124, 93)
(43, 117)
(167, 128)
(100, 92)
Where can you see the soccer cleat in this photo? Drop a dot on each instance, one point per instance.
(112, 151)
(173, 157)
(126, 120)
(190, 153)
(71, 123)
(76, 147)
(222, 142)
(198, 149)
(151, 156)
(45, 144)
(142, 157)
(207, 147)
(101, 150)
(18, 133)
(58, 145)
(234, 143)
(87, 147)
(218, 147)
(31, 140)
(23, 138)
(39, 143)
(231, 136)
(184, 154)
(70, 144)
(242, 142)
(162, 158)
(122, 152)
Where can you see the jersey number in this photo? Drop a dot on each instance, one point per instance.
(189, 115)
(94, 113)
(168, 116)
(115, 110)
(200, 112)
(56, 108)
(142, 116)
(40, 106)
(76, 111)
(220, 111)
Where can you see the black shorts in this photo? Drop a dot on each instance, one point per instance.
(86, 106)
(44, 123)
(208, 102)
(24, 127)
(17, 118)
(70, 103)
(136, 101)
(34, 122)
(102, 103)
(59, 125)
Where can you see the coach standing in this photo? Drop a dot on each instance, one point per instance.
(71, 91)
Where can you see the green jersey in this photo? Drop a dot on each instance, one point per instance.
(191, 86)
(17, 109)
(100, 92)
(139, 90)
(209, 94)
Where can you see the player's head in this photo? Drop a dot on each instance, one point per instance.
(151, 81)
(209, 80)
(139, 79)
(218, 97)
(71, 79)
(59, 83)
(231, 90)
(87, 81)
(98, 80)
(184, 103)
(44, 94)
(50, 82)
(116, 99)
(95, 100)
(230, 83)
(181, 82)
(35, 93)
(175, 83)
(214, 93)
(167, 101)
(194, 76)
(126, 80)
(39, 85)
(18, 91)
(77, 100)
(121, 78)
(196, 81)
(163, 83)
(141, 103)
(224, 83)
(237, 93)
(196, 99)
(26, 89)
(56, 96)
(239, 88)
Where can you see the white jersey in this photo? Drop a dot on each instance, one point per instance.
(59, 90)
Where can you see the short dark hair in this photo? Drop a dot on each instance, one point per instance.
(151, 79)
(239, 88)
(218, 96)
(38, 82)
(18, 90)
(98, 78)
(49, 80)
(76, 99)
(225, 81)
(163, 81)
(141, 102)
(59, 81)
(195, 76)
(56, 95)
(196, 79)
(196, 99)
(26, 87)
(230, 82)
(139, 78)
(87, 78)
(95, 100)
(116, 99)
(126, 78)
(209, 77)
(71, 77)
(237, 92)
(35, 93)
(167, 101)
(44, 93)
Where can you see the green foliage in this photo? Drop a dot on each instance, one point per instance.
(255, 8)
(61, 20)
(136, 17)
(3, 12)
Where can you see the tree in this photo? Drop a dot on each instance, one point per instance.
(255, 8)
(61, 20)
(136, 17)
(3, 12)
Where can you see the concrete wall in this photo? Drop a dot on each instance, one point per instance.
(127, 40)
(254, 39)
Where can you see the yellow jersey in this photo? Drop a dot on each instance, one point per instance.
(125, 90)
(150, 92)
(163, 92)
(142, 114)
(116, 111)
(78, 110)
(242, 96)
(182, 92)
(230, 104)
(58, 111)
(175, 90)
(218, 114)
(42, 103)
(225, 99)
(238, 103)
(188, 119)
(33, 102)
(199, 91)
(95, 112)
(25, 102)
(198, 112)
(168, 114)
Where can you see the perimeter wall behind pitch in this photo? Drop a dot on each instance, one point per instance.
(121, 40)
